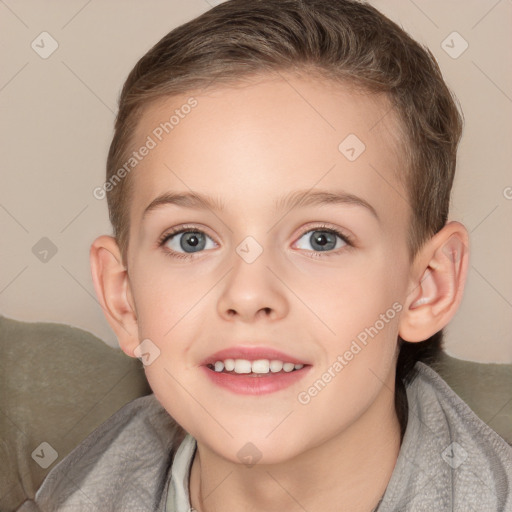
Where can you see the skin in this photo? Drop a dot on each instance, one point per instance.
(249, 146)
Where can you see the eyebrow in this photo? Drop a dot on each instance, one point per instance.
(296, 199)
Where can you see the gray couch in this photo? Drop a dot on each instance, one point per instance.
(58, 383)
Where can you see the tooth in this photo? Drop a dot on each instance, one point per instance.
(242, 366)
(260, 366)
(276, 365)
(288, 367)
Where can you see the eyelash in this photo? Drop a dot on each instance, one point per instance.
(188, 228)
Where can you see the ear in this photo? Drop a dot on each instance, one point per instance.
(437, 283)
(112, 285)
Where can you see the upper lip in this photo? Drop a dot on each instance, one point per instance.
(251, 353)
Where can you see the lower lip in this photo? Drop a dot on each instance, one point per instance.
(261, 385)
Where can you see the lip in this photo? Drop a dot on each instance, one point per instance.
(251, 353)
(256, 385)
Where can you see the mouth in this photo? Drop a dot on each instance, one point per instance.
(254, 370)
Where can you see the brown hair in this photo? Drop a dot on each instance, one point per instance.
(341, 40)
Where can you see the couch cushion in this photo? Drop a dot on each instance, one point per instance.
(58, 384)
(486, 388)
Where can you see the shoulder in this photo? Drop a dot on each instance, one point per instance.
(122, 465)
(449, 459)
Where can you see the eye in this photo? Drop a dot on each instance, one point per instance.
(187, 239)
(183, 242)
(324, 239)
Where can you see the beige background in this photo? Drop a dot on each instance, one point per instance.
(56, 123)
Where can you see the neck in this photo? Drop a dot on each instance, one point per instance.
(348, 472)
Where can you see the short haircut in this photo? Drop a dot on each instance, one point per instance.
(344, 41)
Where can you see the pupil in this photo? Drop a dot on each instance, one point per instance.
(319, 239)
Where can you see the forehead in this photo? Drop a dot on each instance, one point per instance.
(250, 143)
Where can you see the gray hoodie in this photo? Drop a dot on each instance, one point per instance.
(139, 460)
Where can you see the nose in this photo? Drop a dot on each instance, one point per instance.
(252, 291)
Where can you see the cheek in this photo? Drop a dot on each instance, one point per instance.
(359, 312)
(355, 291)
(162, 297)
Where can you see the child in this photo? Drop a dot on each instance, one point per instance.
(279, 183)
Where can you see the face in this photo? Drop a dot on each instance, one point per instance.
(322, 282)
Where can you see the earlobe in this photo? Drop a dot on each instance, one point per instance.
(112, 287)
(435, 297)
